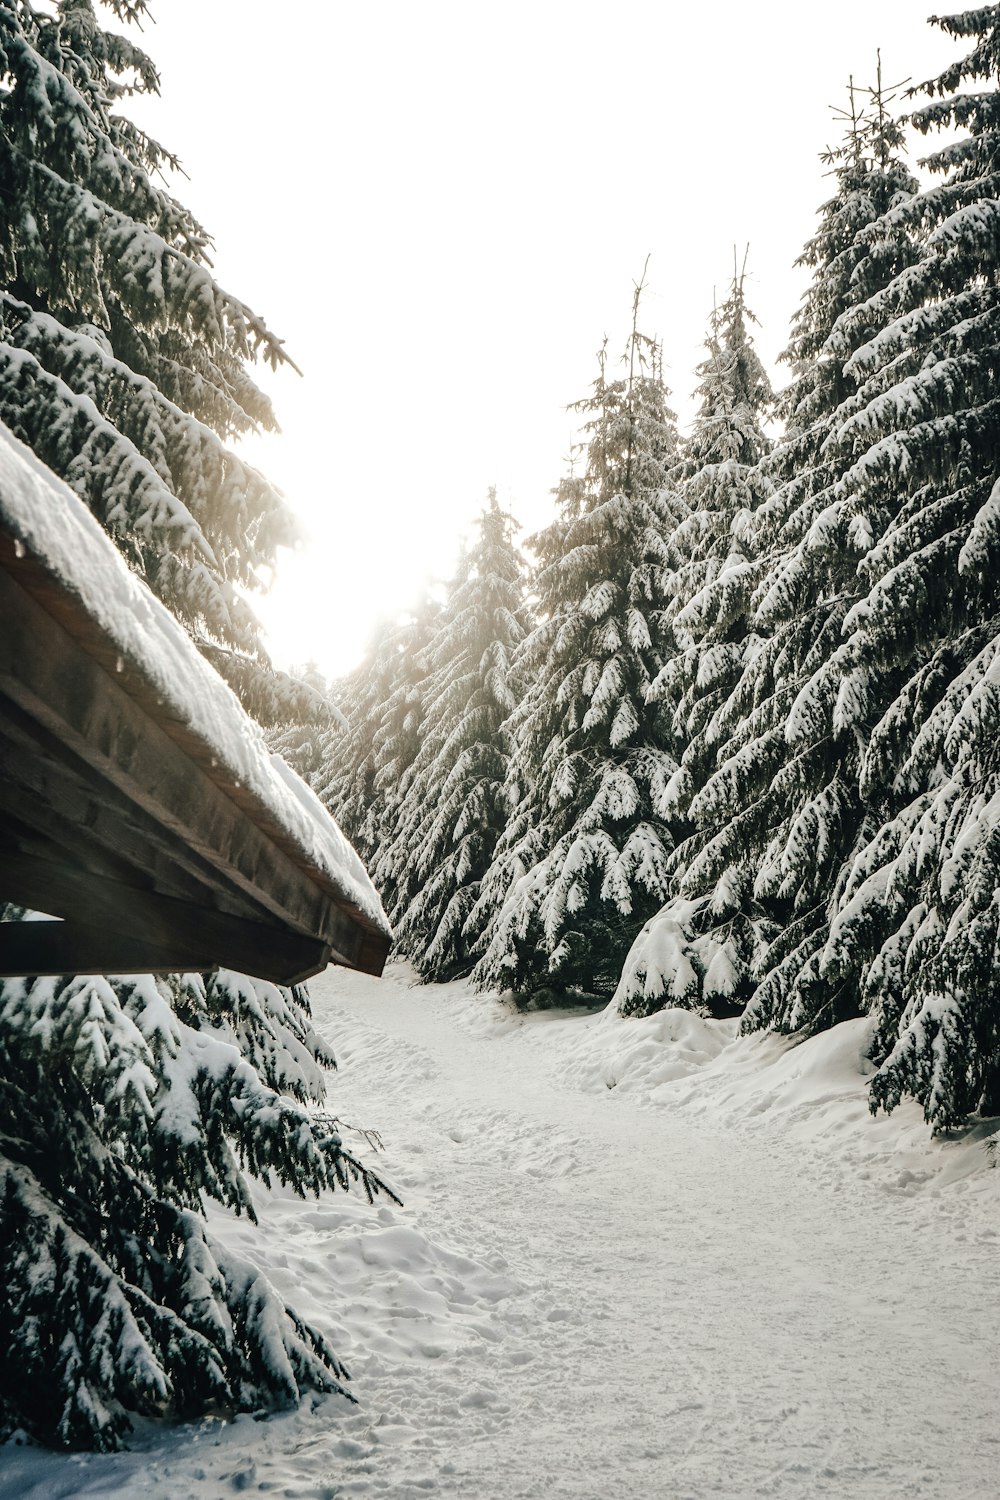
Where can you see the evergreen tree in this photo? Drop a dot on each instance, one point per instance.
(341, 769)
(396, 741)
(121, 1106)
(452, 804)
(780, 810)
(862, 774)
(306, 745)
(123, 364)
(849, 263)
(917, 922)
(787, 714)
(356, 768)
(582, 861)
(124, 1104)
(721, 485)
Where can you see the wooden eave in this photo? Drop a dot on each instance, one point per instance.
(116, 818)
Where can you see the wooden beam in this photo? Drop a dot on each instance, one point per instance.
(49, 797)
(32, 949)
(63, 689)
(67, 612)
(165, 926)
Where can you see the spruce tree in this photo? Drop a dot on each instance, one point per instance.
(305, 744)
(357, 766)
(397, 739)
(787, 712)
(721, 486)
(582, 861)
(123, 363)
(780, 810)
(452, 805)
(341, 769)
(917, 921)
(124, 1104)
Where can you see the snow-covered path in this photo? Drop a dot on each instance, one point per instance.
(669, 1288)
(703, 1312)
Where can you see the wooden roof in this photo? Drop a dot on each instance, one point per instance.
(118, 818)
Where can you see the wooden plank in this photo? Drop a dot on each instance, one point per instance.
(51, 798)
(63, 689)
(68, 613)
(33, 949)
(164, 925)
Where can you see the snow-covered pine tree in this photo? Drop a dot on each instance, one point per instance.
(848, 265)
(778, 815)
(342, 773)
(123, 363)
(121, 1106)
(700, 952)
(721, 487)
(785, 715)
(356, 764)
(582, 861)
(452, 805)
(397, 738)
(918, 919)
(305, 744)
(124, 1104)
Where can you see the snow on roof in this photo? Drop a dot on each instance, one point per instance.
(50, 522)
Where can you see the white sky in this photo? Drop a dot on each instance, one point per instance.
(441, 207)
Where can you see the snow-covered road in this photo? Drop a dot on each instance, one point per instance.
(712, 1279)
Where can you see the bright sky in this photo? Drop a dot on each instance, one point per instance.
(442, 207)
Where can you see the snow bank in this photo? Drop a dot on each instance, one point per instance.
(646, 1055)
(812, 1092)
(50, 522)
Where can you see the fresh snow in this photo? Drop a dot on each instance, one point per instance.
(638, 1258)
(48, 520)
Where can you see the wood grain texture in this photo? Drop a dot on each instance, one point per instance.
(91, 764)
